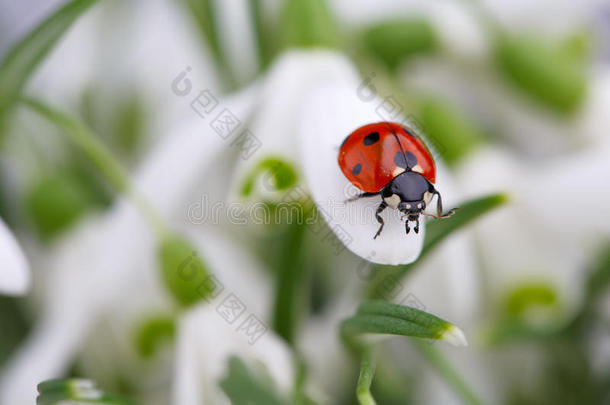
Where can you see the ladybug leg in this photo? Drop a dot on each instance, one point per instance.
(381, 207)
(416, 229)
(439, 207)
(361, 195)
(407, 228)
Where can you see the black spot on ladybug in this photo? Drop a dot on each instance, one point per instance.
(408, 132)
(357, 169)
(406, 161)
(371, 138)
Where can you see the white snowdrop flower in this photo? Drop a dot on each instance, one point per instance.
(310, 102)
(551, 210)
(14, 268)
(331, 112)
(210, 333)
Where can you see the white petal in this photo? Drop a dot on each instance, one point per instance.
(14, 269)
(330, 113)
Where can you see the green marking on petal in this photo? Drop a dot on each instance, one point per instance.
(530, 296)
(56, 201)
(275, 174)
(184, 274)
(152, 333)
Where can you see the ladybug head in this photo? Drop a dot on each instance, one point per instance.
(411, 193)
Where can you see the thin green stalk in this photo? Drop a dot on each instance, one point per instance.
(101, 157)
(436, 358)
(289, 277)
(367, 373)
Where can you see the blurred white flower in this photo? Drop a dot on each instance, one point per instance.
(553, 209)
(14, 268)
(93, 268)
(234, 323)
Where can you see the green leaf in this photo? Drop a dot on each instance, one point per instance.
(387, 278)
(397, 40)
(245, 386)
(56, 202)
(152, 333)
(308, 23)
(554, 75)
(453, 134)
(184, 274)
(383, 317)
(25, 57)
(63, 391)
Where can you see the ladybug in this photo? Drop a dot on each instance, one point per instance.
(389, 160)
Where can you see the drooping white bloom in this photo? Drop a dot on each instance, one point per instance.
(14, 269)
(233, 323)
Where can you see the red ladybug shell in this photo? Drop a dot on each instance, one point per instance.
(371, 156)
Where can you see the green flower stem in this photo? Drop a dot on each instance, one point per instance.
(82, 137)
(288, 291)
(436, 358)
(367, 373)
